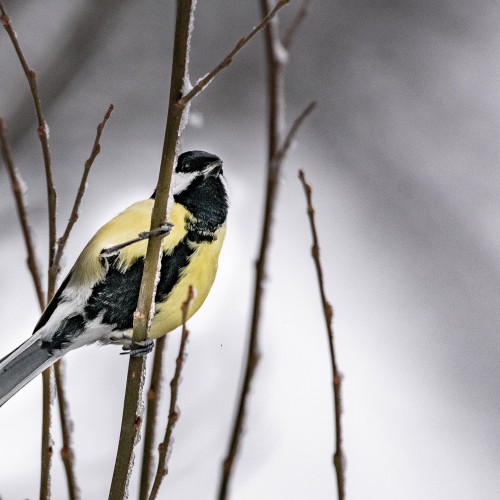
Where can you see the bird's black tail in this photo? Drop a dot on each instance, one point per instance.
(22, 365)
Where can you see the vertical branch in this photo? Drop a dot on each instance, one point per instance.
(46, 448)
(338, 456)
(276, 57)
(178, 101)
(151, 413)
(173, 413)
(42, 131)
(131, 419)
(67, 453)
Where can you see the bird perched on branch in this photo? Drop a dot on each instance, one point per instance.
(96, 301)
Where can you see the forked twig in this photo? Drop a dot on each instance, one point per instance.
(17, 190)
(165, 446)
(203, 82)
(338, 456)
(290, 137)
(277, 150)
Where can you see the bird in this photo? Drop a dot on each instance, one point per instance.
(96, 301)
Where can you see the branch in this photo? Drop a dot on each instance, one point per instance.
(17, 190)
(151, 413)
(338, 456)
(96, 149)
(203, 82)
(177, 104)
(42, 131)
(276, 153)
(165, 448)
(67, 453)
(46, 445)
(131, 419)
(300, 15)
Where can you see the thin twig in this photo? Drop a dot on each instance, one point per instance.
(17, 190)
(67, 453)
(203, 82)
(96, 149)
(151, 413)
(46, 445)
(287, 143)
(165, 447)
(294, 26)
(338, 456)
(131, 418)
(277, 150)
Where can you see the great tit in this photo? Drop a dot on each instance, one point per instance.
(96, 301)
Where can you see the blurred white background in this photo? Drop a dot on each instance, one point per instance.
(402, 154)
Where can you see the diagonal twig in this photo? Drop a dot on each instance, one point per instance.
(338, 456)
(165, 447)
(203, 82)
(288, 141)
(96, 149)
(17, 190)
(67, 452)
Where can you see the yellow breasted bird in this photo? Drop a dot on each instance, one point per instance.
(96, 301)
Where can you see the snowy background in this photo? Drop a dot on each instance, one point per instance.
(402, 153)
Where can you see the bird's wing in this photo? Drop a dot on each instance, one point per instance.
(52, 304)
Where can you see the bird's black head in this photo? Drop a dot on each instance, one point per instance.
(196, 161)
(199, 185)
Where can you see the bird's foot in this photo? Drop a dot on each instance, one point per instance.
(138, 349)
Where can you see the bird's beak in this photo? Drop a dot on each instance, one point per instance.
(214, 169)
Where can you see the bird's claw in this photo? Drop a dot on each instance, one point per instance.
(138, 349)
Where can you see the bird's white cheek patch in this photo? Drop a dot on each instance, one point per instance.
(182, 180)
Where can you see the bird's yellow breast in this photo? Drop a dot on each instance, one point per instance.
(199, 272)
